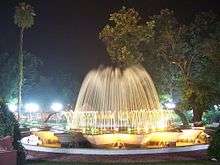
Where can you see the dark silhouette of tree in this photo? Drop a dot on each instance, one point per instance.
(24, 19)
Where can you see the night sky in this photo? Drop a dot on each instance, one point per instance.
(65, 34)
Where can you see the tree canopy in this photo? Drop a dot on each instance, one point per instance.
(124, 35)
(177, 55)
(24, 15)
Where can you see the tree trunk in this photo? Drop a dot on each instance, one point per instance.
(21, 71)
(197, 114)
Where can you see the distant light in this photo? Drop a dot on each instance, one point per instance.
(31, 107)
(57, 107)
(216, 107)
(12, 107)
(170, 105)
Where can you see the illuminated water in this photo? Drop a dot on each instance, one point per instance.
(120, 109)
(113, 99)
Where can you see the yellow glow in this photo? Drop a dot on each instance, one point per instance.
(48, 139)
(120, 140)
(151, 140)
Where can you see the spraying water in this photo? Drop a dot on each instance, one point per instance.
(119, 108)
(114, 99)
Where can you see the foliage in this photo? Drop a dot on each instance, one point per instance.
(212, 115)
(214, 147)
(178, 56)
(24, 15)
(124, 36)
(10, 127)
(24, 19)
(128, 32)
(9, 77)
(183, 46)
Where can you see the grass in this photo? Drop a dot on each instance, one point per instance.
(197, 162)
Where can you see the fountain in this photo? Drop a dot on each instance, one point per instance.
(111, 99)
(119, 108)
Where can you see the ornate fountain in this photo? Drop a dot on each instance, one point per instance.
(120, 108)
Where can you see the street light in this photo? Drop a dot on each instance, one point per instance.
(57, 107)
(31, 107)
(12, 107)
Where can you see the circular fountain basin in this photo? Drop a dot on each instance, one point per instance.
(90, 151)
(126, 144)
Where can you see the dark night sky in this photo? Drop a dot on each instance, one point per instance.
(65, 34)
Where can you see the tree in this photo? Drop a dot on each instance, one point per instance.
(10, 127)
(124, 36)
(8, 76)
(24, 19)
(183, 46)
(214, 147)
(130, 40)
(177, 55)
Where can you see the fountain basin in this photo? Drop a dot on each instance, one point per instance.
(163, 139)
(102, 152)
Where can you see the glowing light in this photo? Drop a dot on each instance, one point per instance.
(170, 105)
(217, 107)
(114, 99)
(57, 107)
(12, 107)
(32, 107)
(151, 140)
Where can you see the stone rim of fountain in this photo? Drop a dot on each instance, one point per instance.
(103, 152)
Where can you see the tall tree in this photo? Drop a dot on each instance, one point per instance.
(189, 48)
(177, 55)
(130, 40)
(24, 19)
(124, 36)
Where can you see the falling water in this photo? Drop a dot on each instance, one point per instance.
(112, 98)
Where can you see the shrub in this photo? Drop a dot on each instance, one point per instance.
(9, 127)
(214, 148)
(212, 115)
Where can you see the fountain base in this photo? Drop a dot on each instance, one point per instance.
(162, 139)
